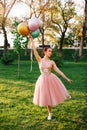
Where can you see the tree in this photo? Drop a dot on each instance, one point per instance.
(84, 30)
(20, 42)
(76, 29)
(61, 14)
(41, 9)
(45, 18)
(6, 7)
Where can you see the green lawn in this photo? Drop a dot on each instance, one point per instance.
(17, 112)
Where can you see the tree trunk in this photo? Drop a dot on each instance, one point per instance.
(18, 65)
(5, 37)
(83, 31)
(43, 38)
(61, 41)
(82, 41)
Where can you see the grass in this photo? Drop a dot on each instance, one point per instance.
(17, 112)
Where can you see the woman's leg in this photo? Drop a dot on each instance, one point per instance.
(50, 112)
(49, 109)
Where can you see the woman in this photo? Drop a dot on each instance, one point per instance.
(49, 90)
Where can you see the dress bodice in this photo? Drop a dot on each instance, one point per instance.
(45, 66)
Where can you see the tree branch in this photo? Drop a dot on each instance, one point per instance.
(9, 8)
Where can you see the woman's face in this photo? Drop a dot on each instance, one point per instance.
(48, 53)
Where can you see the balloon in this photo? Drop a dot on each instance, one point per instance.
(23, 29)
(35, 34)
(33, 24)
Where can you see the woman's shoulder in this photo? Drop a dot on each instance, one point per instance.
(52, 61)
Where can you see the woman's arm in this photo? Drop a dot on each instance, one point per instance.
(60, 72)
(38, 58)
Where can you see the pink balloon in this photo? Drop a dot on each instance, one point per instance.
(33, 24)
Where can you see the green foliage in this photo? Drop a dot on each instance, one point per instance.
(57, 57)
(7, 58)
(69, 39)
(20, 41)
(76, 55)
(67, 54)
(62, 13)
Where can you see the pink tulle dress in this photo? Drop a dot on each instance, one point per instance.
(49, 89)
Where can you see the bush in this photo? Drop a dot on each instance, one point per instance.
(76, 55)
(68, 54)
(57, 57)
(7, 58)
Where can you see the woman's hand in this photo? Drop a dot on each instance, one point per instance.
(69, 80)
(29, 36)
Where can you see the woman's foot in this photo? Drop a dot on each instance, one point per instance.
(50, 116)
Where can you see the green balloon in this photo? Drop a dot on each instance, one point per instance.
(35, 34)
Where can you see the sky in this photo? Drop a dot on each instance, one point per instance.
(20, 10)
(79, 6)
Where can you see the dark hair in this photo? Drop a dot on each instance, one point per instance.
(45, 49)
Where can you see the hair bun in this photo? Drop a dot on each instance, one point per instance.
(43, 46)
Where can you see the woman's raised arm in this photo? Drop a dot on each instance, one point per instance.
(37, 56)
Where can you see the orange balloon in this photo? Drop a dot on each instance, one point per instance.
(23, 29)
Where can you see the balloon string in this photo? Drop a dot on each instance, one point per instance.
(31, 58)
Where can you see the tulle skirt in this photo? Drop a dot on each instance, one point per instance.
(49, 90)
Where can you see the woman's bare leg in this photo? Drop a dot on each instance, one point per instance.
(49, 109)
(50, 112)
